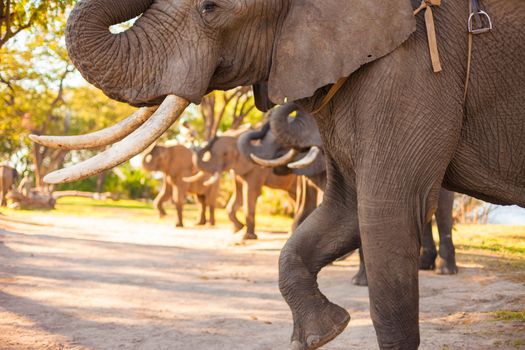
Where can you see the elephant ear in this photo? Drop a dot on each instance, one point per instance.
(323, 41)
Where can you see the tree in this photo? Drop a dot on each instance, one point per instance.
(19, 15)
(227, 110)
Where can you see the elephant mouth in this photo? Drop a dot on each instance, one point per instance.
(128, 138)
(288, 159)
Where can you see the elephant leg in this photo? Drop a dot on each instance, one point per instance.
(164, 195)
(250, 194)
(306, 201)
(327, 234)
(212, 214)
(390, 230)
(202, 200)
(428, 252)
(446, 261)
(234, 204)
(3, 200)
(179, 195)
(360, 278)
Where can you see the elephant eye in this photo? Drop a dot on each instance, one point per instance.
(208, 6)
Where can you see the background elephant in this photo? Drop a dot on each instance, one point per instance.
(300, 133)
(175, 161)
(222, 154)
(8, 178)
(393, 131)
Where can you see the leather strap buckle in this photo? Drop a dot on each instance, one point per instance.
(479, 22)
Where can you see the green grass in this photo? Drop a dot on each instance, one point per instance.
(491, 241)
(509, 315)
(143, 211)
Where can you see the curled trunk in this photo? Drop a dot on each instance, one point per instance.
(299, 132)
(247, 148)
(206, 165)
(127, 66)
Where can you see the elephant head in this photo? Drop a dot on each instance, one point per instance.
(178, 50)
(297, 138)
(156, 159)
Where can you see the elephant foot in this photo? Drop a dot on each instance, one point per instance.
(162, 214)
(201, 223)
(249, 235)
(237, 227)
(320, 328)
(446, 266)
(179, 225)
(212, 223)
(360, 278)
(427, 261)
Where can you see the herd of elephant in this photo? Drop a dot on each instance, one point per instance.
(286, 153)
(393, 130)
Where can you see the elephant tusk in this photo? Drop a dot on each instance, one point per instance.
(194, 178)
(307, 160)
(213, 180)
(99, 138)
(272, 163)
(136, 142)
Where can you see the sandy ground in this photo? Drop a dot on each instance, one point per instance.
(91, 283)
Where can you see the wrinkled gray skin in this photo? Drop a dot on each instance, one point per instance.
(392, 135)
(8, 178)
(301, 133)
(176, 162)
(222, 154)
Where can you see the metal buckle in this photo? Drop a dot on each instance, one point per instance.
(484, 27)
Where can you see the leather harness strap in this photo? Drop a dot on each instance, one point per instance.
(331, 93)
(476, 14)
(431, 32)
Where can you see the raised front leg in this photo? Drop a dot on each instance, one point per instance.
(446, 261)
(328, 233)
(234, 204)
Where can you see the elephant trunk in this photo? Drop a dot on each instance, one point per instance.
(205, 165)
(301, 132)
(116, 63)
(247, 148)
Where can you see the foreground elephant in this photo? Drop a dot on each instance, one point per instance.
(221, 154)
(175, 161)
(301, 135)
(8, 178)
(393, 133)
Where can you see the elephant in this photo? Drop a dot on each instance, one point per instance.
(394, 131)
(8, 178)
(181, 177)
(301, 135)
(222, 154)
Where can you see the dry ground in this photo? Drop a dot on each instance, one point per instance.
(69, 282)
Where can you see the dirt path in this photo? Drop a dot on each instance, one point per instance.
(88, 283)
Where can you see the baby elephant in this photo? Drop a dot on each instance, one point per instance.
(181, 177)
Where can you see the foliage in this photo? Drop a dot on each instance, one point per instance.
(19, 15)
(124, 181)
(468, 210)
